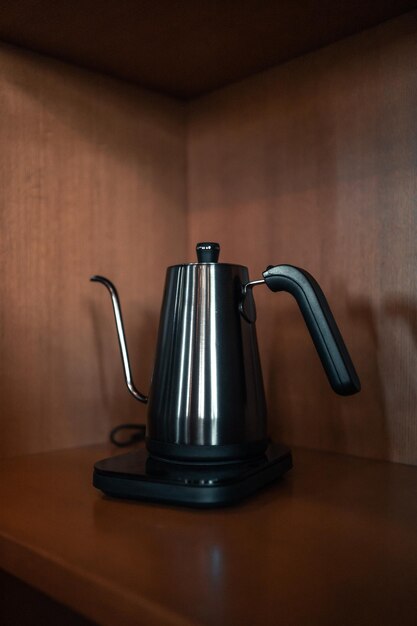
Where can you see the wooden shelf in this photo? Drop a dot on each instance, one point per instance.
(190, 47)
(333, 543)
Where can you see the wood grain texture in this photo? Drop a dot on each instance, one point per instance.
(186, 47)
(92, 180)
(332, 543)
(314, 164)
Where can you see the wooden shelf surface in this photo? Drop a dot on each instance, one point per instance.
(335, 542)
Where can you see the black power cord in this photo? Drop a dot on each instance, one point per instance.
(139, 435)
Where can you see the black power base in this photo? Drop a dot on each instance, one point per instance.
(139, 476)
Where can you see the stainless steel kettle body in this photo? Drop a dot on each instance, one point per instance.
(207, 392)
(207, 400)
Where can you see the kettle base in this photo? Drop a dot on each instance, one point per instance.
(138, 476)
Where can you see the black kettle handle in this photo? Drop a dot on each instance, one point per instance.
(320, 322)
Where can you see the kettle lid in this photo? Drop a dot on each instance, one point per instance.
(207, 252)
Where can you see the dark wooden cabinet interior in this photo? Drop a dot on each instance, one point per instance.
(129, 131)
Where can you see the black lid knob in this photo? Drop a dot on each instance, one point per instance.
(208, 252)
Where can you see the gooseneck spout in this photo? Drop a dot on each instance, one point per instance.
(121, 336)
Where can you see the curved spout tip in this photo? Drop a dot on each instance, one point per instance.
(107, 283)
(99, 279)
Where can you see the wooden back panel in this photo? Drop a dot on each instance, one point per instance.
(314, 164)
(92, 180)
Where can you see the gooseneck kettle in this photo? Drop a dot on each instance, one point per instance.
(206, 403)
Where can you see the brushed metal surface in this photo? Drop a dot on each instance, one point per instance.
(207, 386)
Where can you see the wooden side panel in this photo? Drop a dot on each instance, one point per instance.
(92, 180)
(314, 163)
